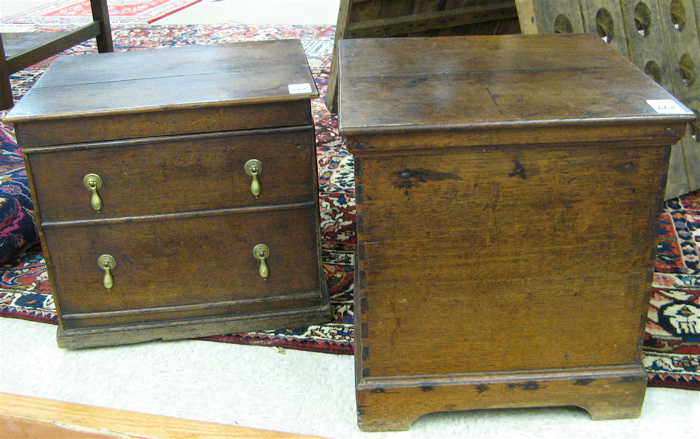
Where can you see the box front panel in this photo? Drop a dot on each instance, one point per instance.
(505, 259)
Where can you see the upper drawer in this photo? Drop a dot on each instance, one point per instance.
(173, 174)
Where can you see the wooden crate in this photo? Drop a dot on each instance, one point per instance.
(460, 303)
(388, 18)
(658, 36)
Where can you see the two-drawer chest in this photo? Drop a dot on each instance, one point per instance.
(176, 191)
(508, 193)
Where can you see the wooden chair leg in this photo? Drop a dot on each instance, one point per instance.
(101, 14)
(6, 100)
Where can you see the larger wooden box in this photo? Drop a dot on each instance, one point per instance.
(508, 191)
(176, 191)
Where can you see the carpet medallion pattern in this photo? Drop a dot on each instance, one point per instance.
(671, 342)
(672, 338)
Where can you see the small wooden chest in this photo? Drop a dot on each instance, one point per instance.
(176, 191)
(508, 191)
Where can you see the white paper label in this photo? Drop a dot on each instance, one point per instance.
(296, 89)
(666, 106)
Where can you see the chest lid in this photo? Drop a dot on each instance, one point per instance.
(509, 89)
(173, 78)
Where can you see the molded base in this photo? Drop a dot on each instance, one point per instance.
(196, 327)
(393, 404)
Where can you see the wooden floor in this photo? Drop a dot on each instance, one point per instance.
(26, 417)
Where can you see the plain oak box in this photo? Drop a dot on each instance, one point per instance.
(508, 197)
(176, 191)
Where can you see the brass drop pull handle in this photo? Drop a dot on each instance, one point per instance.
(94, 182)
(261, 253)
(107, 263)
(253, 167)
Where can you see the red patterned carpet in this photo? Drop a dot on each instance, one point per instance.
(672, 340)
(62, 12)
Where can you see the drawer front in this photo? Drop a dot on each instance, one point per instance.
(184, 261)
(174, 174)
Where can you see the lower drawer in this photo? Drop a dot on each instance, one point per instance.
(183, 267)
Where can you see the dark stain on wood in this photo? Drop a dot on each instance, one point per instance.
(360, 145)
(627, 168)
(518, 170)
(530, 386)
(364, 329)
(359, 193)
(629, 379)
(410, 178)
(415, 82)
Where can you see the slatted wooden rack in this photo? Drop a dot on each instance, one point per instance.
(659, 36)
(389, 18)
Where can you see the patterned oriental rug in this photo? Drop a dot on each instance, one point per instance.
(62, 12)
(672, 340)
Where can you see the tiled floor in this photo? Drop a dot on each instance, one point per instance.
(265, 388)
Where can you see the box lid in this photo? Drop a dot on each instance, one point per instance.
(528, 83)
(168, 78)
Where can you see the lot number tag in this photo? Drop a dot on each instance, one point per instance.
(666, 106)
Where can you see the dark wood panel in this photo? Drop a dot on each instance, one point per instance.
(476, 211)
(205, 119)
(166, 175)
(489, 86)
(404, 24)
(172, 262)
(494, 325)
(127, 82)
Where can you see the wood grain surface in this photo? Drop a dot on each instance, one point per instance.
(169, 134)
(508, 196)
(28, 417)
(174, 174)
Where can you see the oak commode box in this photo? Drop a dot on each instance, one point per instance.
(508, 198)
(176, 191)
